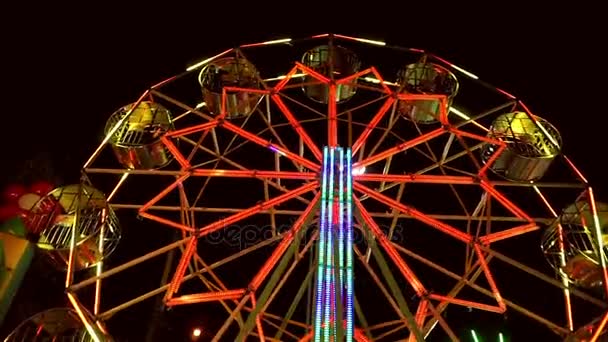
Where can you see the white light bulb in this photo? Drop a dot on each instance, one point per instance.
(358, 171)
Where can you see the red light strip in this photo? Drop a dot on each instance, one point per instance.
(443, 227)
(509, 233)
(206, 297)
(313, 73)
(298, 127)
(390, 250)
(400, 148)
(258, 321)
(467, 303)
(332, 134)
(265, 143)
(282, 247)
(183, 162)
(220, 224)
(419, 318)
(286, 80)
(415, 178)
(505, 201)
(353, 76)
(254, 174)
(163, 193)
(373, 123)
(490, 278)
(192, 129)
(387, 90)
(180, 270)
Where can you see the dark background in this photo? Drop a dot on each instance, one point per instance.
(66, 68)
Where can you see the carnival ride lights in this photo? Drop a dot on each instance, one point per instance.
(399, 126)
(334, 296)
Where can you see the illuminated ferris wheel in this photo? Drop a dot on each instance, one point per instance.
(337, 188)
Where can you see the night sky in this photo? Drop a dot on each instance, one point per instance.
(66, 69)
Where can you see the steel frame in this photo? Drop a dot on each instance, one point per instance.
(254, 298)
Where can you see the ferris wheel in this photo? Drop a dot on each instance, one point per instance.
(337, 188)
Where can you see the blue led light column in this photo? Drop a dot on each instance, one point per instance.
(334, 289)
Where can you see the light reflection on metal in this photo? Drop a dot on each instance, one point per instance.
(54, 217)
(529, 151)
(137, 142)
(205, 61)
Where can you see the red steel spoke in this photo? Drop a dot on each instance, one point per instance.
(575, 169)
(258, 321)
(491, 161)
(509, 233)
(247, 90)
(180, 271)
(164, 193)
(312, 73)
(265, 143)
(600, 328)
(217, 225)
(354, 76)
(372, 124)
(443, 114)
(443, 227)
(466, 303)
(332, 117)
(413, 97)
(307, 337)
(505, 201)
(420, 317)
(298, 127)
(489, 277)
(167, 222)
(283, 246)
(360, 336)
(400, 148)
(206, 297)
(462, 133)
(183, 162)
(254, 174)
(379, 77)
(192, 129)
(415, 178)
(283, 82)
(390, 250)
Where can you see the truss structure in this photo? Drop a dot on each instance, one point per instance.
(435, 226)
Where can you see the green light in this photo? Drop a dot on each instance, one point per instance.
(500, 338)
(474, 336)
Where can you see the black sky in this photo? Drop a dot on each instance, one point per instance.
(67, 67)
